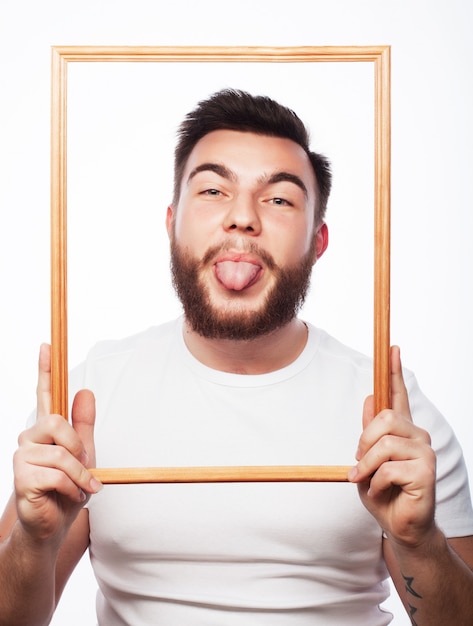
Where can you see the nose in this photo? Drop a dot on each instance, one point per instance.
(242, 215)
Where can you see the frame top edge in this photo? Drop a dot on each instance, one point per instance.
(88, 52)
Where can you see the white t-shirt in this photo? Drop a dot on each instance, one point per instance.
(289, 554)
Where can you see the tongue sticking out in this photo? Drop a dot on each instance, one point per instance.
(236, 275)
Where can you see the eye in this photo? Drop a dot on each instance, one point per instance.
(212, 193)
(280, 202)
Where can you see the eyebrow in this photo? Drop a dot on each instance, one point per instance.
(288, 177)
(219, 169)
(228, 174)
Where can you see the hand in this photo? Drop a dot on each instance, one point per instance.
(396, 467)
(51, 480)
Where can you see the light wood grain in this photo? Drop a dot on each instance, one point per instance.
(382, 232)
(61, 57)
(288, 473)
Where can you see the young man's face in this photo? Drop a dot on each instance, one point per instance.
(243, 233)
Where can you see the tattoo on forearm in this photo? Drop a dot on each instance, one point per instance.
(408, 580)
(412, 610)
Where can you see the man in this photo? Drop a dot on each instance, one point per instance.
(240, 380)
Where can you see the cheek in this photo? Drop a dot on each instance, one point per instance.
(184, 228)
(193, 241)
(290, 243)
(198, 232)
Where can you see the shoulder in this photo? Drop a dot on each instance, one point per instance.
(115, 348)
(106, 360)
(332, 347)
(334, 356)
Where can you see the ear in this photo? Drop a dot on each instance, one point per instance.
(169, 219)
(321, 240)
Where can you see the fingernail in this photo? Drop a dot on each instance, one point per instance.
(358, 454)
(352, 474)
(95, 485)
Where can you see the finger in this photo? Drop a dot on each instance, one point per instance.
(83, 421)
(48, 481)
(399, 396)
(387, 421)
(43, 389)
(50, 433)
(411, 475)
(52, 468)
(51, 444)
(408, 445)
(368, 416)
(368, 411)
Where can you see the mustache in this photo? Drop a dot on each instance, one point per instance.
(248, 247)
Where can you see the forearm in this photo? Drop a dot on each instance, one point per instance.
(27, 580)
(436, 585)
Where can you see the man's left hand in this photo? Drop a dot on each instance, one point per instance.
(396, 467)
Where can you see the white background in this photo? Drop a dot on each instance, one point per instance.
(432, 224)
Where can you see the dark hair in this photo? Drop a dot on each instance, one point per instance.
(232, 109)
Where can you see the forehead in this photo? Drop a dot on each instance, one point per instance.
(250, 155)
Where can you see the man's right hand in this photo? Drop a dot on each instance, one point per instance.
(52, 483)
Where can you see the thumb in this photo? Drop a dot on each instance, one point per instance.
(368, 411)
(400, 398)
(43, 390)
(83, 421)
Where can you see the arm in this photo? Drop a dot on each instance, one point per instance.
(38, 572)
(441, 587)
(396, 474)
(51, 487)
(23, 563)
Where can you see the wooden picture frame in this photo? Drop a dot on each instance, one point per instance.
(379, 57)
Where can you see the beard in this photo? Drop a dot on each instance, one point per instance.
(280, 306)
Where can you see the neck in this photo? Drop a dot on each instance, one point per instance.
(256, 356)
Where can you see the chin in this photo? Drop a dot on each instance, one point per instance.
(237, 325)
